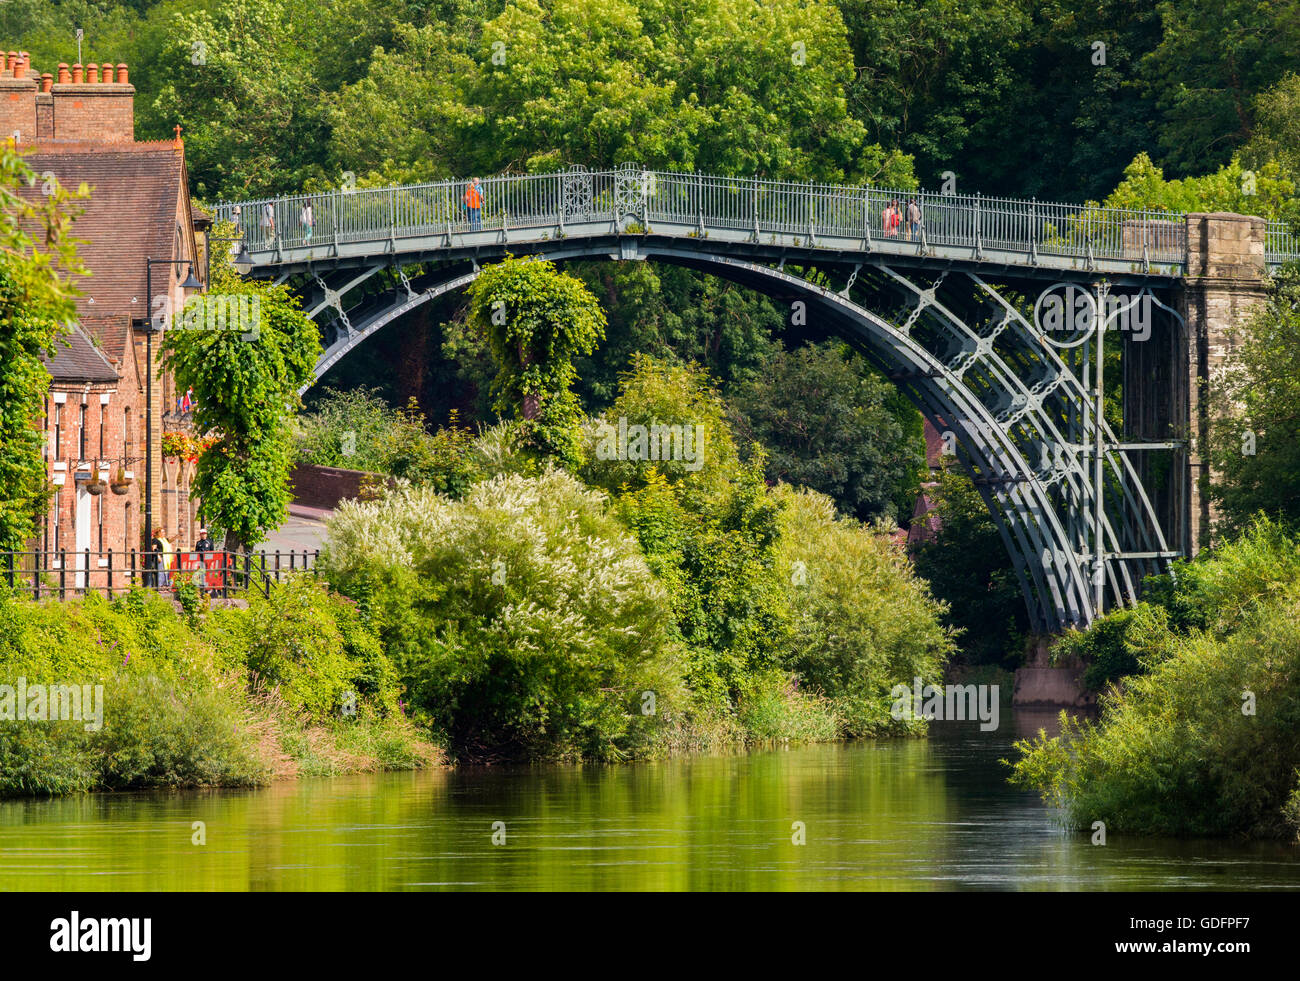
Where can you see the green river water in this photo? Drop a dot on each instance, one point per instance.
(917, 815)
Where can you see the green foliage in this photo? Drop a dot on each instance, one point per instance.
(1116, 645)
(1276, 136)
(537, 320)
(707, 528)
(523, 619)
(1201, 736)
(1213, 57)
(245, 381)
(1225, 584)
(862, 620)
(662, 393)
(184, 696)
(1174, 753)
(773, 709)
(1268, 192)
(357, 430)
(826, 422)
(713, 86)
(37, 259)
(1256, 407)
(312, 645)
(966, 567)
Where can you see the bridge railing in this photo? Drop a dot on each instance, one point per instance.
(761, 209)
(1281, 242)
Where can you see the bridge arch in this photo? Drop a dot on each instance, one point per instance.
(1025, 413)
(999, 418)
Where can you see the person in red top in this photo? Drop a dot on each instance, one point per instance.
(474, 202)
(890, 219)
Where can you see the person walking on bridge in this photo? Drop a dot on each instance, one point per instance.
(268, 223)
(890, 219)
(473, 203)
(913, 219)
(308, 219)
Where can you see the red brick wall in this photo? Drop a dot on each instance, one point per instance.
(113, 520)
(18, 108)
(99, 113)
(323, 487)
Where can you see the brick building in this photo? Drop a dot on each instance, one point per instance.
(79, 129)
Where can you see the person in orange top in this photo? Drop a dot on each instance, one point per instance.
(473, 202)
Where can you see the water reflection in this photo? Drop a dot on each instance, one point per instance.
(914, 815)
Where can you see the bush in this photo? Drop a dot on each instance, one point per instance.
(357, 430)
(523, 619)
(862, 621)
(1174, 753)
(313, 645)
(183, 699)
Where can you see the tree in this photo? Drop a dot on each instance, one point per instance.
(246, 92)
(1255, 430)
(724, 86)
(536, 320)
(1277, 127)
(245, 376)
(35, 303)
(1213, 58)
(824, 419)
(1268, 192)
(967, 568)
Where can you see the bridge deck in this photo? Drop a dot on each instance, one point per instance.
(731, 215)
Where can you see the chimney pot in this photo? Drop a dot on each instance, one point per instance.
(77, 74)
(20, 68)
(11, 61)
(121, 74)
(65, 76)
(47, 82)
(92, 74)
(106, 73)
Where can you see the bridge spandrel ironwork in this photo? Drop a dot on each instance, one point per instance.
(929, 305)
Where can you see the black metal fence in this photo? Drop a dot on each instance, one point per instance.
(65, 574)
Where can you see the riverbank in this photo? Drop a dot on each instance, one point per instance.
(130, 694)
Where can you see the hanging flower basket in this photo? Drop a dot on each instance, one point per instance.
(95, 486)
(121, 482)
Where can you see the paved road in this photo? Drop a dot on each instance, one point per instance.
(305, 529)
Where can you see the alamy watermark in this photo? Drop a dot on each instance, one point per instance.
(947, 703)
(52, 703)
(237, 312)
(1064, 309)
(678, 443)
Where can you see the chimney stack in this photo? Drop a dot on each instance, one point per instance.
(81, 103)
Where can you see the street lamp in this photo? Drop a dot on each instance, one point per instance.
(191, 283)
(242, 261)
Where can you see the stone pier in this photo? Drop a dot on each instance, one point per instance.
(1225, 281)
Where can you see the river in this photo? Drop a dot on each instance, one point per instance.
(931, 814)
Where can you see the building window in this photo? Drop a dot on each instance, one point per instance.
(126, 527)
(102, 413)
(58, 429)
(128, 443)
(81, 434)
(99, 511)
